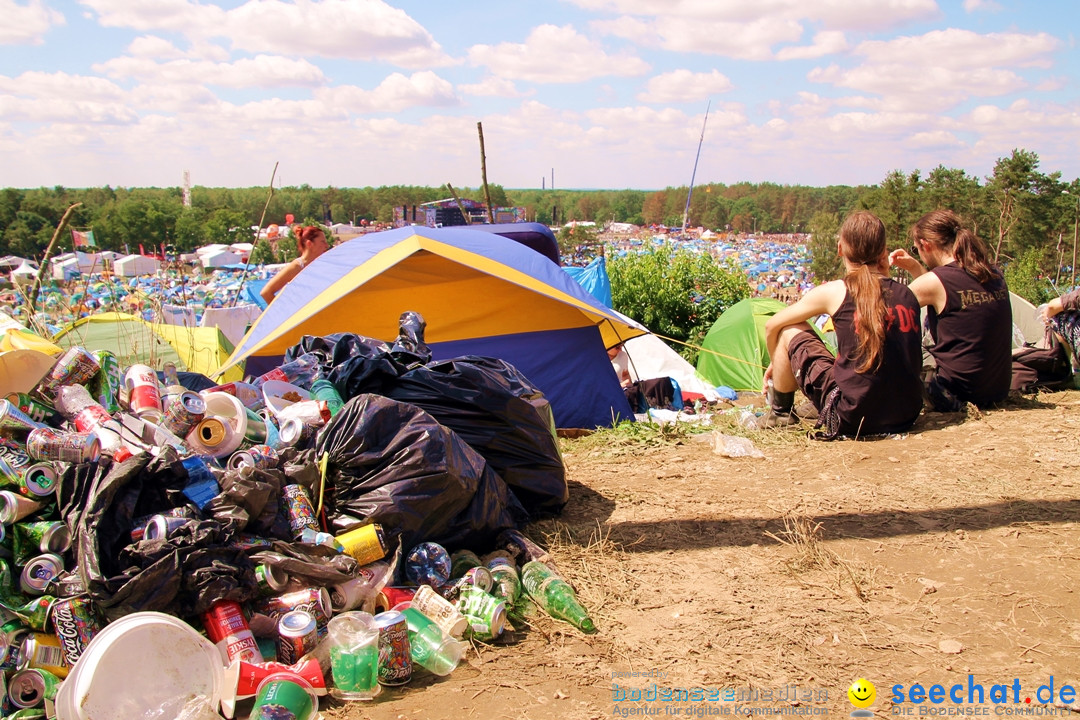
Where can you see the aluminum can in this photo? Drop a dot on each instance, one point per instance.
(75, 624)
(474, 577)
(440, 611)
(298, 634)
(389, 597)
(201, 485)
(30, 688)
(313, 601)
(395, 652)
(39, 572)
(183, 412)
(299, 510)
(43, 651)
(365, 544)
(293, 431)
(35, 613)
(44, 536)
(39, 480)
(271, 579)
(49, 444)
(35, 409)
(144, 393)
(14, 507)
(160, 527)
(461, 561)
(139, 524)
(74, 366)
(486, 613)
(109, 381)
(261, 457)
(11, 652)
(15, 422)
(227, 627)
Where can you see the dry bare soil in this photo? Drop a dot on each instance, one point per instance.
(922, 560)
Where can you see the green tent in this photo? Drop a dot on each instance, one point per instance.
(734, 352)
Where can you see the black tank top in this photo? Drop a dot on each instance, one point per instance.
(972, 336)
(890, 398)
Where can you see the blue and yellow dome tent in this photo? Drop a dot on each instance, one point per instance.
(479, 293)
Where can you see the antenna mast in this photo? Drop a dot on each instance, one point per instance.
(690, 192)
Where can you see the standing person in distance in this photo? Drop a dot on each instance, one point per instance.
(968, 312)
(311, 242)
(872, 386)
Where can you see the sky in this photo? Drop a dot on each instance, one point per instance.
(570, 93)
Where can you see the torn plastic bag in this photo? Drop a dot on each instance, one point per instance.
(409, 349)
(353, 363)
(501, 415)
(394, 464)
(250, 501)
(187, 572)
(313, 564)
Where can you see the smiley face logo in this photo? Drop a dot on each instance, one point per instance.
(862, 693)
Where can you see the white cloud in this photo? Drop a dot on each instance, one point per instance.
(394, 94)
(259, 71)
(975, 5)
(492, 86)
(554, 55)
(829, 42)
(354, 29)
(934, 139)
(26, 24)
(151, 46)
(60, 97)
(748, 40)
(680, 86)
(941, 69)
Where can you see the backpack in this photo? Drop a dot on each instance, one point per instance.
(1036, 368)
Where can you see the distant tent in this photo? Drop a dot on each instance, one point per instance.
(133, 265)
(735, 354)
(1027, 329)
(650, 358)
(478, 294)
(133, 340)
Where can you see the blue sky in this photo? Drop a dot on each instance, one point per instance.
(604, 93)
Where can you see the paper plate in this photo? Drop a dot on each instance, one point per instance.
(144, 663)
(278, 395)
(21, 370)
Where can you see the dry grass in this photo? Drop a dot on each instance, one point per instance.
(803, 536)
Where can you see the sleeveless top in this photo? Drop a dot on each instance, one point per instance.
(888, 399)
(972, 336)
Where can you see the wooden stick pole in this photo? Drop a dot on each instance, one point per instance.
(31, 299)
(464, 213)
(483, 174)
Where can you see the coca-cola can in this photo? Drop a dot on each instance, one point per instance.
(49, 444)
(314, 601)
(184, 412)
(144, 393)
(227, 627)
(75, 624)
(298, 634)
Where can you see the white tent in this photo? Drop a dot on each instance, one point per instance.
(24, 274)
(133, 265)
(651, 357)
(1025, 323)
(220, 258)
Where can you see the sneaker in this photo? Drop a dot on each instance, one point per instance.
(806, 411)
(772, 419)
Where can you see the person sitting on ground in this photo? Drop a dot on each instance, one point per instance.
(968, 312)
(311, 242)
(1062, 316)
(872, 386)
(620, 361)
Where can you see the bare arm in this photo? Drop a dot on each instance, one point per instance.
(929, 291)
(824, 299)
(273, 287)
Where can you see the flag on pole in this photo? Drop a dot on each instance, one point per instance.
(83, 239)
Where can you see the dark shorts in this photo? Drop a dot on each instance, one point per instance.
(812, 364)
(941, 398)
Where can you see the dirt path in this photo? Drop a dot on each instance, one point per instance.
(777, 582)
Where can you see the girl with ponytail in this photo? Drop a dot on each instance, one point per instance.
(872, 386)
(968, 312)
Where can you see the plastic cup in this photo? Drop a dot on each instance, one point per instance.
(354, 656)
(285, 695)
(430, 647)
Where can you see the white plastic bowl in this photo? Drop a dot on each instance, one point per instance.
(274, 392)
(141, 664)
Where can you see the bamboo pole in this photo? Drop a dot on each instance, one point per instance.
(262, 218)
(31, 299)
(483, 174)
(464, 214)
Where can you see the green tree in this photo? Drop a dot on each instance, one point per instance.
(825, 261)
(1024, 277)
(674, 292)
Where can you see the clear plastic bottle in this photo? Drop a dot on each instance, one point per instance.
(76, 404)
(555, 595)
(299, 372)
(429, 646)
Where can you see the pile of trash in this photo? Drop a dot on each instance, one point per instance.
(326, 528)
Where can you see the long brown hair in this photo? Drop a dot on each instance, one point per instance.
(862, 241)
(944, 229)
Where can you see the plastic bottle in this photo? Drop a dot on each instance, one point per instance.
(555, 595)
(299, 372)
(76, 404)
(430, 647)
(505, 582)
(325, 390)
(172, 388)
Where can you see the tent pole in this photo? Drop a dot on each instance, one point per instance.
(483, 174)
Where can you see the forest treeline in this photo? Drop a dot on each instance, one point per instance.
(1027, 217)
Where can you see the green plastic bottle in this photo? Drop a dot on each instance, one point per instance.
(555, 595)
(322, 389)
(505, 581)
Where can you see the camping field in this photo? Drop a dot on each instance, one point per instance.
(949, 556)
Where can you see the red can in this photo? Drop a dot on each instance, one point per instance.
(144, 394)
(75, 625)
(313, 601)
(227, 627)
(298, 634)
(388, 597)
(395, 652)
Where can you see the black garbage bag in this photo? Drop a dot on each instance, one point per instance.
(353, 363)
(249, 502)
(409, 349)
(313, 565)
(501, 415)
(394, 464)
(193, 568)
